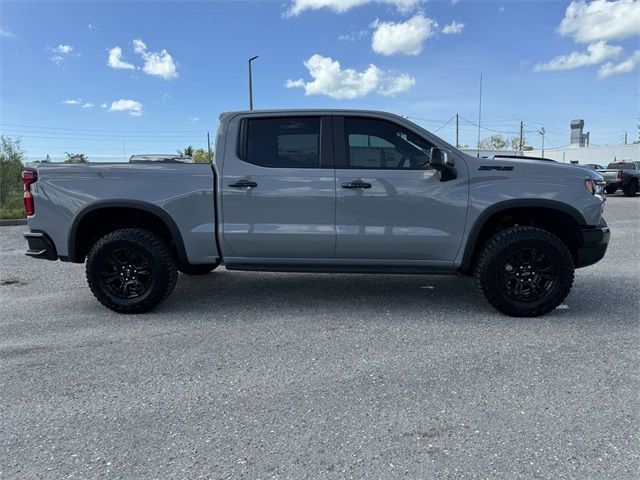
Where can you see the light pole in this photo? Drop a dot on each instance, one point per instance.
(541, 132)
(251, 83)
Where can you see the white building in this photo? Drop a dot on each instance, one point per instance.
(602, 155)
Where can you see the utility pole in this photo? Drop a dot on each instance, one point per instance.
(209, 147)
(124, 151)
(541, 132)
(625, 138)
(457, 130)
(479, 114)
(251, 83)
(521, 144)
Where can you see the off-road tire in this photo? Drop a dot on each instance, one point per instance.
(610, 190)
(631, 189)
(198, 269)
(161, 265)
(500, 247)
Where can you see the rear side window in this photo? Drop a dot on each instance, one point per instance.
(285, 142)
(622, 166)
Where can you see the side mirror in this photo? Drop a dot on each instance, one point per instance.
(441, 161)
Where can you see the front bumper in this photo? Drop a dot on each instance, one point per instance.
(593, 245)
(613, 183)
(40, 246)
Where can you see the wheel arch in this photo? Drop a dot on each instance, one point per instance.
(122, 214)
(558, 217)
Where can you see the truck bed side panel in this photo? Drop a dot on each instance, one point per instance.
(183, 192)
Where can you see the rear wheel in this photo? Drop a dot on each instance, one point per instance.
(610, 190)
(131, 270)
(525, 271)
(631, 189)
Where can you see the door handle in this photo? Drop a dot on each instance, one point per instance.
(356, 184)
(243, 184)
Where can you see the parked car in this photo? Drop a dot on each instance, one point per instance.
(624, 175)
(322, 191)
(593, 166)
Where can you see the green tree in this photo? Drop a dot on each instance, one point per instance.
(200, 155)
(11, 156)
(514, 142)
(187, 151)
(76, 158)
(494, 142)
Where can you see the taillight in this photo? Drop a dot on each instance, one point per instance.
(29, 177)
(620, 175)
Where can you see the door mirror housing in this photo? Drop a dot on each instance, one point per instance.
(444, 163)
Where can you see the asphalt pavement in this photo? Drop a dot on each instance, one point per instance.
(268, 375)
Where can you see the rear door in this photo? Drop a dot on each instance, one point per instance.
(278, 188)
(391, 205)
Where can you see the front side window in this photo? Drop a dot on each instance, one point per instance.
(379, 144)
(286, 142)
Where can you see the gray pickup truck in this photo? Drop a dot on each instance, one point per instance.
(622, 175)
(322, 191)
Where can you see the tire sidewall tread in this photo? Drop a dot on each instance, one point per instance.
(521, 237)
(163, 266)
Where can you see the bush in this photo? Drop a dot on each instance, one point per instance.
(11, 205)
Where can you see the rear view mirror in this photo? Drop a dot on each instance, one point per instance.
(444, 163)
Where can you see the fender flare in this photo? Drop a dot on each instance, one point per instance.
(487, 213)
(132, 204)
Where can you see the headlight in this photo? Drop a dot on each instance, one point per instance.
(594, 187)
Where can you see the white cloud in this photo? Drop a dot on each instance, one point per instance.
(63, 49)
(104, 105)
(390, 86)
(353, 36)
(60, 53)
(139, 46)
(73, 101)
(194, 119)
(341, 6)
(331, 80)
(453, 27)
(91, 26)
(132, 106)
(160, 63)
(115, 59)
(596, 53)
(4, 32)
(88, 105)
(588, 22)
(625, 66)
(406, 38)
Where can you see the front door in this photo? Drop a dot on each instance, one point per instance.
(391, 205)
(278, 189)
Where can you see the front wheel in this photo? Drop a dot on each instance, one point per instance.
(131, 270)
(525, 271)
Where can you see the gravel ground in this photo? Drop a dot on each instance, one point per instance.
(265, 375)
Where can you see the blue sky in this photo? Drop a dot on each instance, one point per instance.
(191, 64)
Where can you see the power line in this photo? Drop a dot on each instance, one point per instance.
(447, 123)
(199, 132)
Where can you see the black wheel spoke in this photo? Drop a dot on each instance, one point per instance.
(528, 275)
(126, 273)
